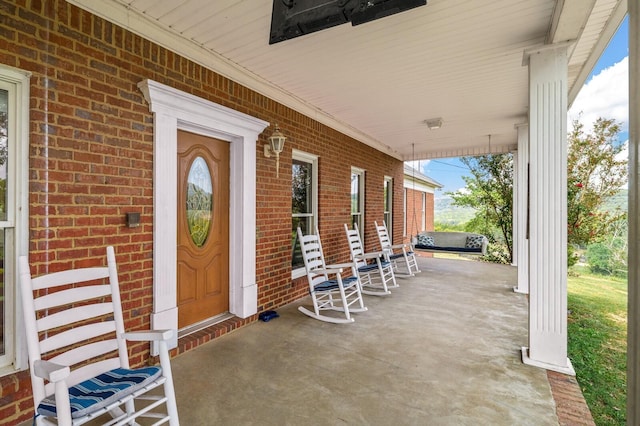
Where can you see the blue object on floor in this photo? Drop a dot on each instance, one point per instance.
(268, 315)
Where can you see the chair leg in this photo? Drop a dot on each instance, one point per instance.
(373, 282)
(408, 266)
(414, 262)
(324, 318)
(130, 408)
(361, 299)
(327, 301)
(169, 392)
(62, 404)
(392, 276)
(345, 304)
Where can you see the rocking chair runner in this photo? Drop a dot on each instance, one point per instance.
(374, 273)
(403, 260)
(78, 354)
(337, 294)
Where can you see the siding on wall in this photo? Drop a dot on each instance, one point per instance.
(91, 157)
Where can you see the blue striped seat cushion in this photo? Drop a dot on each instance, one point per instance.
(333, 284)
(372, 266)
(102, 390)
(368, 268)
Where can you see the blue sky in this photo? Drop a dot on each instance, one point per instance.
(605, 94)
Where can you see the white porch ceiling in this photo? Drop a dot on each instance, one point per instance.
(461, 60)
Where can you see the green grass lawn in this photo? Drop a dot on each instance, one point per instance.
(597, 343)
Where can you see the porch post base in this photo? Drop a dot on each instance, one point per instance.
(519, 290)
(568, 370)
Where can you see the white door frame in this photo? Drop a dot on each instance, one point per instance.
(172, 110)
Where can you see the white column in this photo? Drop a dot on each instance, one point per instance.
(633, 343)
(514, 210)
(243, 294)
(165, 170)
(548, 209)
(521, 210)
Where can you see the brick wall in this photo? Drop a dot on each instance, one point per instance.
(414, 212)
(91, 157)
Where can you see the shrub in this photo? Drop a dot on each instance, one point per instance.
(606, 259)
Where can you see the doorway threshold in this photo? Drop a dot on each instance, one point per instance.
(197, 334)
(193, 328)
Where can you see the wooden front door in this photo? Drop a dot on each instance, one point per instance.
(203, 228)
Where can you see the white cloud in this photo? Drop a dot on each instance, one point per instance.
(606, 95)
(624, 154)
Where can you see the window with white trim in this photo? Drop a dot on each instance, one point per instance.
(388, 204)
(304, 204)
(357, 199)
(405, 217)
(14, 113)
(423, 224)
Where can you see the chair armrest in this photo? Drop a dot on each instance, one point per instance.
(372, 255)
(329, 271)
(51, 371)
(149, 335)
(399, 246)
(340, 266)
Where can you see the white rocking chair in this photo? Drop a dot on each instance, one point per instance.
(375, 273)
(337, 294)
(78, 354)
(403, 260)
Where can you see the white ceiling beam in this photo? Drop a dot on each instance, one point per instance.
(569, 19)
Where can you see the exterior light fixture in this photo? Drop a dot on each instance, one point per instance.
(434, 123)
(275, 146)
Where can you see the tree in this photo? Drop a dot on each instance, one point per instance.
(595, 172)
(489, 190)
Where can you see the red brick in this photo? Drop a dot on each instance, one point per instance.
(91, 161)
(571, 408)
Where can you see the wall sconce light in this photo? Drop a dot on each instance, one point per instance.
(434, 123)
(275, 146)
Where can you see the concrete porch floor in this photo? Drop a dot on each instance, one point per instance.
(443, 349)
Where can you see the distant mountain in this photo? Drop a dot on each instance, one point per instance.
(618, 201)
(446, 212)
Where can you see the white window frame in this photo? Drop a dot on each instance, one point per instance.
(313, 160)
(388, 182)
(361, 188)
(424, 211)
(16, 82)
(405, 217)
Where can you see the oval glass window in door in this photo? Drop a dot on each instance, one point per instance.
(199, 201)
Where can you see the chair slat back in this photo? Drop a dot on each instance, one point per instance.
(71, 276)
(82, 353)
(355, 244)
(81, 313)
(74, 318)
(76, 335)
(383, 236)
(313, 257)
(70, 296)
